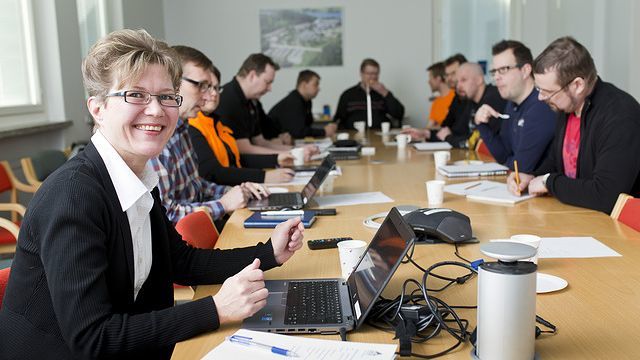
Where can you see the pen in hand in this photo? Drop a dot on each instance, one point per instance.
(247, 341)
(515, 167)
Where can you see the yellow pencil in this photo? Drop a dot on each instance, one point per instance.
(515, 167)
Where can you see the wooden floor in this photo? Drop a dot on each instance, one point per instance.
(598, 314)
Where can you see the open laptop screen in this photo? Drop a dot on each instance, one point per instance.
(381, 259)
(318, 177)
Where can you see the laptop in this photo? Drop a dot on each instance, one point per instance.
(295, 200)
(326, 305)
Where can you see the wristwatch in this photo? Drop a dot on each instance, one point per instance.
(544, 179)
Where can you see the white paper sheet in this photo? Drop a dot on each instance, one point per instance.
(574, 247)
(305, 348)
(352, 199)
(485, 190)
(431, 146)
(303, 177)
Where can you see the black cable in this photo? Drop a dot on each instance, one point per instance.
(458, 254)
(343, 334)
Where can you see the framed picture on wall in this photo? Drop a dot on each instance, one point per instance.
(302, 37)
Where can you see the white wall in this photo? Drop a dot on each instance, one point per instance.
(396, 33)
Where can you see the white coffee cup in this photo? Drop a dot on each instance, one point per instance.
(528, 239)
(403, 140)
(441, 158)
(342, 136)
(435, 192)
(386, 126)
(350, 252)
(298, 156)
(360, 126)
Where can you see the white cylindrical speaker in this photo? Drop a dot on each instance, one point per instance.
(506, 303)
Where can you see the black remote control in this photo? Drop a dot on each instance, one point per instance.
(326, 243)
(323, 212)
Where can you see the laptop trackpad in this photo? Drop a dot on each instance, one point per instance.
(277, 298)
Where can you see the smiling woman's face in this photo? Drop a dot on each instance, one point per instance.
(138, 132)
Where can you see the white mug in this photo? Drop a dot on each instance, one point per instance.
(435, 192)
(385, 126)
(403, 140)
(298, 156)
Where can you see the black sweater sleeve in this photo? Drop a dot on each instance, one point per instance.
(394, 107)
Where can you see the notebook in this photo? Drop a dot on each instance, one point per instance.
(471, 170)
(259, 221)
(327, 305)
(295, 200)
(431, 146)
(485, 190)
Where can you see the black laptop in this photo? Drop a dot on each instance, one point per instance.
(326, 305)
(295, 200)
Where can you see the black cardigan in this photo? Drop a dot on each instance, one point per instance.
(609, 155)
(70, 294)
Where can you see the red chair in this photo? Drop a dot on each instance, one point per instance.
(9, 182)
(482, 149)
(627, 211)
(9, 229)
(198, 230)
(4, 279)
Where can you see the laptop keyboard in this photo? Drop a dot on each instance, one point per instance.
(313, 302)
(283, 199)
(345, 155)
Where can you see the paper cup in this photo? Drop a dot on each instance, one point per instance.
(350, 252)
(360, 126)
(441, 158)
(385, 126)
(342, 136)
(402, 140)
(435, 192)
(528, 239)
(298, 156)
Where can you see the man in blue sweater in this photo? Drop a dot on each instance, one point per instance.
(527, 131)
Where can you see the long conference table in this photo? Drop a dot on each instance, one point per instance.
(597, 315)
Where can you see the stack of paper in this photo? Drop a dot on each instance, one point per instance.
(304, 348)
(471, 170)
(431, 146)
(485, 190)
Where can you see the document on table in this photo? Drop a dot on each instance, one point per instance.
(431, 146)
(305, 348)
(352, 199)
(485, 190)
(574, 247)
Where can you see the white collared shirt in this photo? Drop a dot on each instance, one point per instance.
(134, 195)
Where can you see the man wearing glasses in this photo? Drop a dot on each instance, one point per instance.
(182, 189)
(594, 155)
(527, 131)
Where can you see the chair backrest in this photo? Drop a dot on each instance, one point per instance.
(627, 211)
(198, 230)
(6, 182)
(481, 148)
(46, 162)
(4, 279)
(8, 232)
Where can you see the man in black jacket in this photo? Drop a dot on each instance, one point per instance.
(594, 156)
(293, 113)
(352, 105)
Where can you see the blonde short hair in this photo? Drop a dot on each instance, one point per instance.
(122, 56)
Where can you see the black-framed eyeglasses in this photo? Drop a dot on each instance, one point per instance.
(504, 69)
(204, 86)
(142, 98)
(547, 97)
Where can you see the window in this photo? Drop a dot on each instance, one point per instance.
(19, 81)
(92, 19)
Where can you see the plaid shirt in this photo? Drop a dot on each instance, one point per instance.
(181, 187)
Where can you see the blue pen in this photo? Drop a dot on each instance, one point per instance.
(249, 342)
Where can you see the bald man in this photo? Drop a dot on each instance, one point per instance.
(471, 88)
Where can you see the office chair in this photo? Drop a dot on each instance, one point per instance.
(627, 211)
(198, 230)
(9, 182)
(483, 150)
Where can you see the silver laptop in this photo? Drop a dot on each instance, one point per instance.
(295, 200)
(326, 305)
